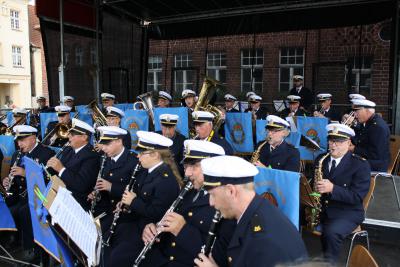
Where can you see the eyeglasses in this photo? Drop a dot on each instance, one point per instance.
(337, 142)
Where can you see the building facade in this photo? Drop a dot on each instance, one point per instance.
(15, 69)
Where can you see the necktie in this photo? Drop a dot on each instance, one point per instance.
(333, 167)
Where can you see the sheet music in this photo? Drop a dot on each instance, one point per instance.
(76, 223)
(293, 126)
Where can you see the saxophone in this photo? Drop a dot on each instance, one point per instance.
(312, 212)
(256, 154)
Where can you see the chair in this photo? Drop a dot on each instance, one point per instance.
(358, 231)
(360, 257)
(394, 160)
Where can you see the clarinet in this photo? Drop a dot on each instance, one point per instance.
(97, 196)
(207, 247)
(129, 187)
(11, 176)
(142, 254)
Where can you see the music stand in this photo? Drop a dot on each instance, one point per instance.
(309, 143)
(279, 105)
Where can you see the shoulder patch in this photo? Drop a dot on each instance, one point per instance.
(358, 157)
(256, 225)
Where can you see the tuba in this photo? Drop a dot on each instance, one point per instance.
(146, 100)
(97, 114)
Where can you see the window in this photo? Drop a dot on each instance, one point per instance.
(79, 56)
(154, 72)
(291, 62)
(16, 56)
(93, 60)
(252, 62)
(216, 66)
(360, 73)
(184, 75)
(14, 15)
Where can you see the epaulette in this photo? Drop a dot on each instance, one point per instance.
(256, 225)
(358, 157)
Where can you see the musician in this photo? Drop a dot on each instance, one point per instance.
(187, 228)
(70, 102)
(294, 107)
(230, 103)
(263, 233)
(248, 96)
(52, 137)
(306, 96)
(259, 113)
(164, 99)
(345, 183)
(372, 140)
(114, 116)
(42, 107)
(351, 120)
(326, 110)
(157, 186)
(117, 170)
(275, 152)
(168, 129)
(203, 123)
(79, 163)
(189, 99)
(19, 116)
(26, 138)
(107, 100)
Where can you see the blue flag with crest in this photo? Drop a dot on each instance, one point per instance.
(7, 147)
(314, 129)
(282, 189)
(182, 126)
(133, 121)
(239, 131)
(6, 219)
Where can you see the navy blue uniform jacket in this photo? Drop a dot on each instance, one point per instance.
(284, 157)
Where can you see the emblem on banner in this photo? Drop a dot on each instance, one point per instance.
(237, 133)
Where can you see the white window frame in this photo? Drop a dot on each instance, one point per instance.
(16, 53)
(182, 61)
(14, 19)
(357, 73)
(154, 67)
(219, 56)
(289, 66)
(252, 67)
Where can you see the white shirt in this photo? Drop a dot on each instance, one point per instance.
(115, 159)
(298, 89)
(155, 166)
(337, 162)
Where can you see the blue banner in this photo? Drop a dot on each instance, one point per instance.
(312, 128)
(282, 189)
(239, 131)
(294, 139)
(133, 121)
(6, 219)
(7, 147)
(261, 132)
(11, 121)
(124, 106)
(45, 119)
(43, 235)
(183, 123)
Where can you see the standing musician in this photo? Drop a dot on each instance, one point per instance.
(164, 99)
(294, 108)
(306, 96)
(168, 129)
(230, 103)
(203, 123)
(69, 102)
(187, 228)
(42, 107)
(326, 110)
(117, 170)
(26, 137)
(372, 139)
(275, 152)
(107, 100)
(157, 186)
(114, 116)
(63, 118)
(79, 162)
(344, 185)
(35, 113)
(248, 95)
(263, 235)
(259, 113)
(189, 99)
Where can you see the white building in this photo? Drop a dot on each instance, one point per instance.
(15, 72)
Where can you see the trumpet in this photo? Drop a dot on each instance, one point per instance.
(97, 196)
(350, 120)
(147, 247)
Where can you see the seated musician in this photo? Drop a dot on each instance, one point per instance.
(274, 152)
(164, 99)
(52, 136)
(294, 108)
(107, 100)
(69, 101)
(114, 116)
(26, 138)
(326, 110)
(259, 112)
(203, 123)
(188, 226)
(189, 99)
(117, 169)
(168, 129)
(78, 164)
(19, 117)
(248, 97)
(264, 236)
(156, 187)
(372, 139)
(345, 183)
(230, 103)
